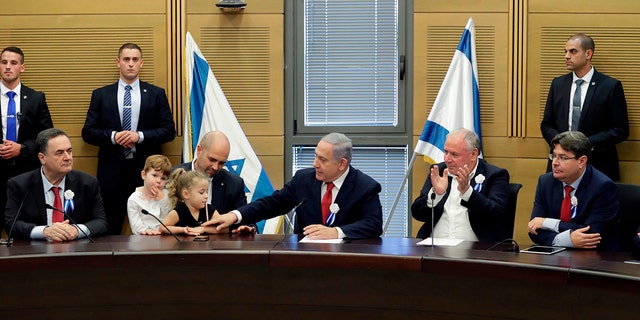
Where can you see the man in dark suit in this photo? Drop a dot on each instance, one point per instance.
(336, 200)
(24, 114)
(471, 195)
(599, 110)
(575, 205)
(129, 120)
(226, 189)
(54, 182)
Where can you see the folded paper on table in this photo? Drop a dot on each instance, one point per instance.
(440, 242)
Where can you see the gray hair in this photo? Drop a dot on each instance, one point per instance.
(341, 146)
(470, 138)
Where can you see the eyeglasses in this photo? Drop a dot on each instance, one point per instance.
(561, 158)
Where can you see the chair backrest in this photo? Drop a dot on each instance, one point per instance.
(510, 219)
(629, 197)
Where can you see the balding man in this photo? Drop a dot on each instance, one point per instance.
(470, 194)
(226, 189)
(599, 109)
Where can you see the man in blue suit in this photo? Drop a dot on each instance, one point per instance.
(600, 111)
(129, 120)
(77, 194)
(350, 198)
(471, 195)
(575, 205)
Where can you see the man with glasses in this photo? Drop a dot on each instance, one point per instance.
(575, 205)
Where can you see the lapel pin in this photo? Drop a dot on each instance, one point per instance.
(144, 90)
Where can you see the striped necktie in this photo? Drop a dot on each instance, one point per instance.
(126, 114)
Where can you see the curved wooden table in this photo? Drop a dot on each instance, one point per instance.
(274, 276)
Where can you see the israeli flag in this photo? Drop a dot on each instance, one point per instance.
(457, 104)
(206, 109)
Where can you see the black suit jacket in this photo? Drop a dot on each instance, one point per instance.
(360, 214)
(597, 207)
(603, 120)
(26, 190)
(155, 121)
(34, 117)
(227, 189)
(487, 208)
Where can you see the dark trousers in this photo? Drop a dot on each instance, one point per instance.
(115, 200)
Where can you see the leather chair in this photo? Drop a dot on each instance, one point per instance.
(629, 197)
(510, 219)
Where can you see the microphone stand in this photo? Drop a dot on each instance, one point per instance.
(149, 214)
(293, 216)
(9, 239)
(433, 208)
(48, 206)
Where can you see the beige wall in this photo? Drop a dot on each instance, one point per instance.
(520, 49)
(71, 47)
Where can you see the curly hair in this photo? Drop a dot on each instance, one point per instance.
(181, 179)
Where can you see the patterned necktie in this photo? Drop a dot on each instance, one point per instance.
(126, 114)
(57, 215)
(565, 209)
(11, 117)
(577, 106)
(326, 202)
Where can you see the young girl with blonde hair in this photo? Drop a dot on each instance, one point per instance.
(188, 194)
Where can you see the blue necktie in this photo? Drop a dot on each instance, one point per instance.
(11, 117)
(126, 113)
(577, 106)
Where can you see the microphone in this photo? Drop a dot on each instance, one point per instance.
(48, 206)
(18, 116)
(9, 240)
(433, 208)
(144, 211)
(293, 215)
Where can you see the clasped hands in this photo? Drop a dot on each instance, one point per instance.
(9, 149)
(60, 231)
(127, 139)
(440, 183)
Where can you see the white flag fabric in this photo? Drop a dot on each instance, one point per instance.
(206, 109)
(458, 102)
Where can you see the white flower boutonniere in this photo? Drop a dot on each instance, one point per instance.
(333, 209)
(479, 179)
(68, 200)
(574, 206)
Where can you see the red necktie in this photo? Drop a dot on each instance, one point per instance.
(326, 202)
(57, 215)
(565, 209)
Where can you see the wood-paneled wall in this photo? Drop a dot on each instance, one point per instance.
(71, 46)
(528, 51)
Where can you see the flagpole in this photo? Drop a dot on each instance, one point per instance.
(395, 202)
